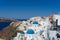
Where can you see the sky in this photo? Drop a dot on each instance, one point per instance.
(24, 9)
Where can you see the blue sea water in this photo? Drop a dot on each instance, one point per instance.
(4, 24)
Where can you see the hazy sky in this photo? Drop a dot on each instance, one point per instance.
(28, 8)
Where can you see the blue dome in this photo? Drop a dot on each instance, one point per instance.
(35, 22)
(30, 31)
(22, 32)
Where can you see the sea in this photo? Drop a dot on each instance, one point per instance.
(4, 24)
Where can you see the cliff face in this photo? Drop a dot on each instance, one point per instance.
(10, 31)
(7, 30)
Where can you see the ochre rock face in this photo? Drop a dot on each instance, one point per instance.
(22, 26)
(10, 31)
(51, 17)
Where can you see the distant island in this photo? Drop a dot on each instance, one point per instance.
(11, 20)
